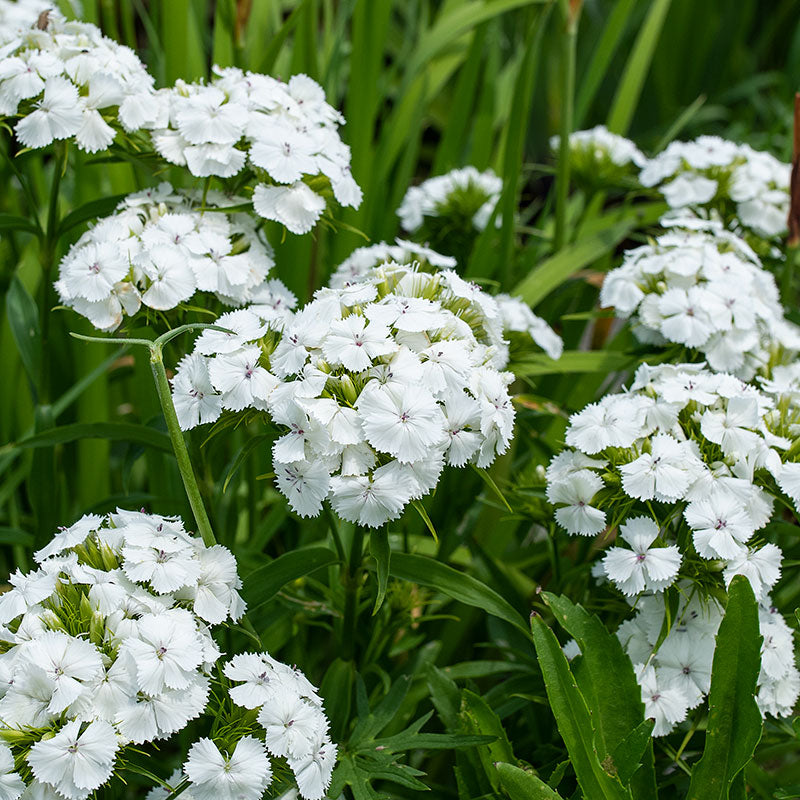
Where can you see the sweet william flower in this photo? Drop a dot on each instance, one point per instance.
(11, 784)
(667, 705)
(242, 775)
(642, 567)
(241, 380)
(313, 772)
(296, 207)
(75, 763)
(576, 492)
(291, 724)
(58, 115)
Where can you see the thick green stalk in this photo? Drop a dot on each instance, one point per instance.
(570, 13)
(352, 588)
(180, 449)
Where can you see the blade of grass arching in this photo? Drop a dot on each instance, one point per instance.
(484, 122)
(515, 139)
(452, 24)
(450, 150)
(110, 21)
(305, 45)
(681, 122)
(181, 30)
(570, 13)
(597, 67)
(223, 47)
(636, 69)
(156, 60)
(369, 35)
(267, 59)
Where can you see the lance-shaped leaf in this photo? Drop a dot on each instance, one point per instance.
(573, 718)
(734, 722)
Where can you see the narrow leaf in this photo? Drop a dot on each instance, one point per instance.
(520, 784)
(115, 431)
(734, 722)
(573, 718)
(23, 319)
(457, 585)
(264, 583)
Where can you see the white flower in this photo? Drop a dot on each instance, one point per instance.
(282, 153)
(292, 725)
(667, 705)
(241, 380)
(313, 772)
(684, 661)
(305, 484)
(577, 491)
(242, 775)
(196, 401)
(166, 651)
(11, 785)
(354, 342)
(406, 424)
(720, 525)
(371, 500)
(296, 207)
(761, 566)
(642, 567)
(664, 473)
(58, 115)
(75, 763)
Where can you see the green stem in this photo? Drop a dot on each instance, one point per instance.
(179, 446)
(352, 588)
(570, 12)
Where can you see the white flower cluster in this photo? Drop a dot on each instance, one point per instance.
(685, 464)
(749, 188)
(107, 644)
(284, 132)
(293, 725)
(707, 291)
(705, 448)
(64, 79)
(158, 249)
(675, 677)
(465, 191)
(591, 149)
(377, 385)
(515, 315)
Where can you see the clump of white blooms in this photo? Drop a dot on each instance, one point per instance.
(748, 188)
(285, 134)
(600, 156)
(64, 79)
(707, 291)
(516, 316)
(107, 644)
(375, 387)
(684, 467)
(675, 675)
(465, 194)
(158, 249)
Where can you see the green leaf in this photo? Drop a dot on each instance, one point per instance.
(606, 680)
(572, 362)
(573, 718)
(628, 755)
(11, 222)
(734, 722)
(457, 585)
(370, 726)
(89, 211)
(115, 431)
(489, 481)
(480, 718)
(558, 269)
(23, 319)
(264, 583)
(432, 741)
(630, 87)
(381, 551)
(10, 535)
(520, 784)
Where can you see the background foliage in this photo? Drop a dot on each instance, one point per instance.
(425, 85)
